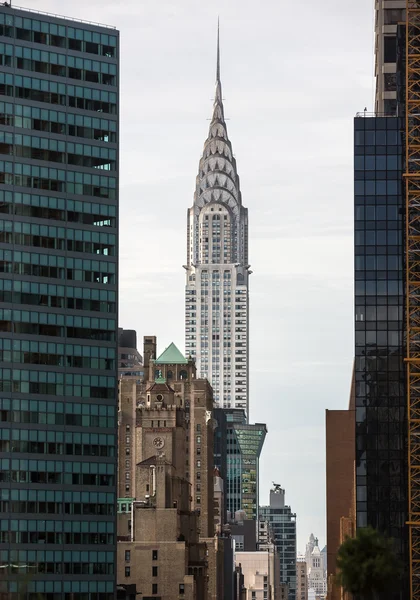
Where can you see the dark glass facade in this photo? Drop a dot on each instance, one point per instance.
(283, 524)
(58, 307)
(381, 420)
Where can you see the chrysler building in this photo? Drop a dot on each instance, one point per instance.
(217, 269)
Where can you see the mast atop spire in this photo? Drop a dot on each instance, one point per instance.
(218, 97)
(218, 52)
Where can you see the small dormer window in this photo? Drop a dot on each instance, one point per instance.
(159, 397)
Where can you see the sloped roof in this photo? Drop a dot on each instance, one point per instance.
(158, 386)
(171, 356)
(152, 460)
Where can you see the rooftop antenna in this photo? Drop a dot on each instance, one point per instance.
(218, 50)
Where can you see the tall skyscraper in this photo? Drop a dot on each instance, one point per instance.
(380, 390)
(217, 269)
(58, 306)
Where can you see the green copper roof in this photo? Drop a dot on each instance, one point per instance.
(171, 356)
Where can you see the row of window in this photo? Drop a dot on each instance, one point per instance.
(378, 162)
(60, 209)
(372, 237)
(53, 537)
(34, 114)
(13, 55)
(54, 568)
(377, 187)
(54, 466)
(50, 408)
(100, 135)
(73, 182)
(43, 435)
(55, 330)
(379, 313)
(56, 448)
(52, 150)
(54, 272)
(35, 376)
(52, 590)
(54, 239)
(379, 288)
(75, 350)
(40, 36)
(41, 526)
(54, 301)
(54, 478)
(46, 418)
(52, 92)
(56, 261)
(57, 232)
(380, 137)
(56, 360)
(48, 318)
(54, 29)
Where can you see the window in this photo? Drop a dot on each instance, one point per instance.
(127, 571)
(392, 16)
(390, 49)
(154, 554)
(154, 571)
(154, 588)
(127, 556)
(181, 588)
(390, 82)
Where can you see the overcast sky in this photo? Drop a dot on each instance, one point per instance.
(294, 74)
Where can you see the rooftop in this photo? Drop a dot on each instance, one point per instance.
(40, 12)
(171, 356)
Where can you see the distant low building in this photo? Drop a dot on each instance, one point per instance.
(301, 579)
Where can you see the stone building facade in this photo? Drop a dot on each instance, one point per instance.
(167, 544)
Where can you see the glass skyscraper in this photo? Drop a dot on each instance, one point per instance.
(380, 389)
(58, 306)
(244, 445)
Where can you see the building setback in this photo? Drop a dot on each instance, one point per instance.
(217, 269)
(58, 306)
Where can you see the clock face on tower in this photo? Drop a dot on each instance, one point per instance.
(158, 442)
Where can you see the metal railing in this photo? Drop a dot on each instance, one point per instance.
(40, 12)
(365, 113)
